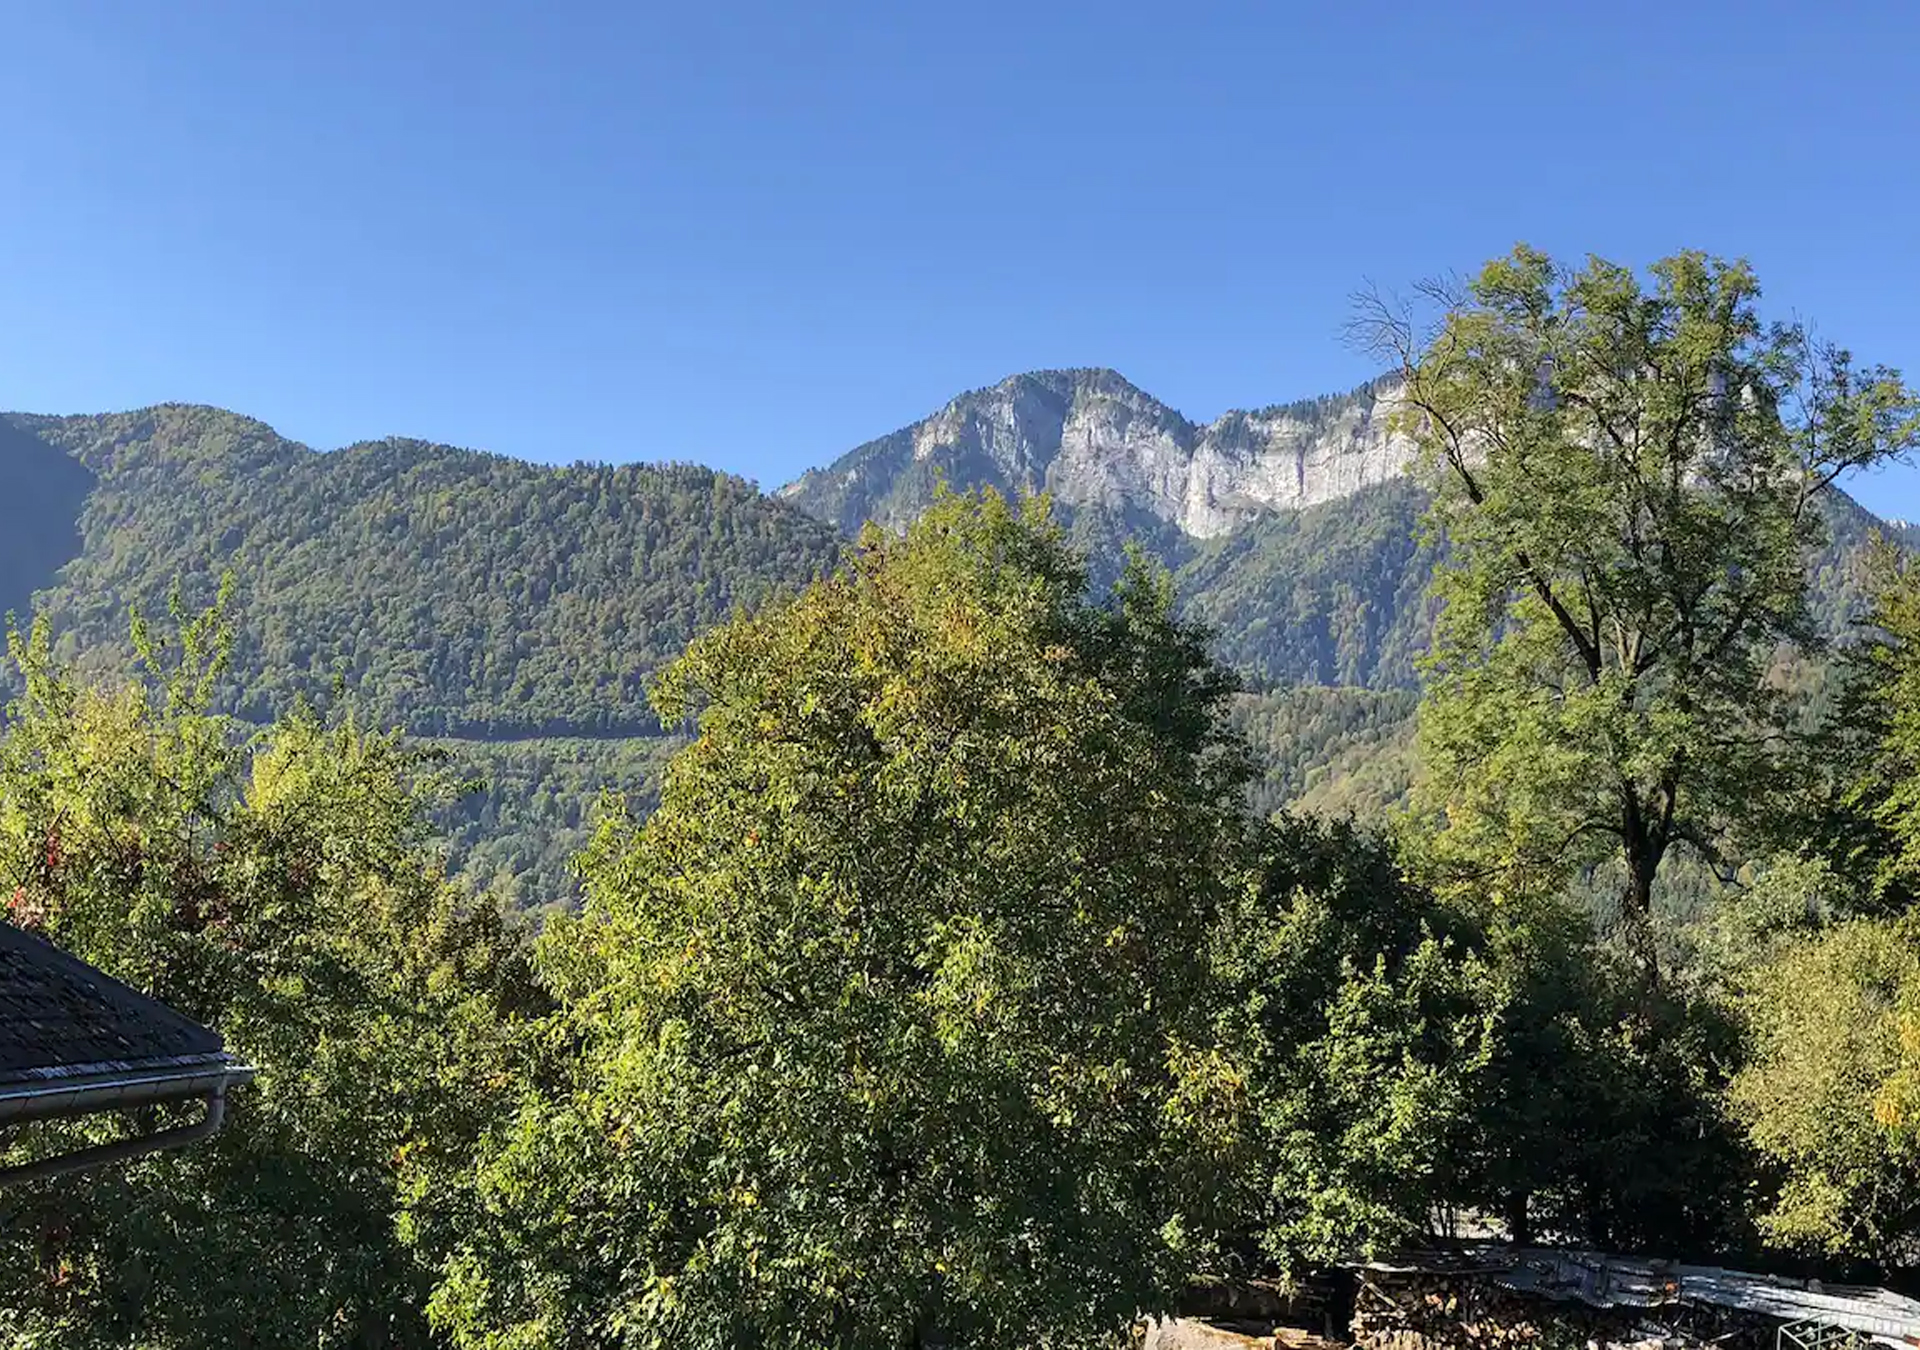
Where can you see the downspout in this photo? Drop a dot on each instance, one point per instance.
(122, 1150)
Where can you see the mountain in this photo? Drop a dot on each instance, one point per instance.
(511, 611)
(1095, 441)
(1292, 530)
(45, 493)
(458, 593)
(1330, 595)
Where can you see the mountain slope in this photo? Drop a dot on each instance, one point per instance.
(457, 593)
(45, 493)
(1292, 529)
(1092, 439)
(1333, 594)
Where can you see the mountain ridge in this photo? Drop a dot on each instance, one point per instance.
(1092, 438)
(461, 592)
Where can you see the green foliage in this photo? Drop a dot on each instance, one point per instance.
(1602, 1119)
(1333, 594)
(39, 516)
(947, 985)
(1364, 1013)
(1626, 477)
(1830, 1094)
(282, 890)
(1872, 827)
(1329, 752)
(1323, 409)
(513, 613)
(457, 593)
(526, 809)
(892, 1015)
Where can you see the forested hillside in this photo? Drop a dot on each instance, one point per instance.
(1292, 529)
(1330, 595)
(509, 611)
(514, 613)
(1329, 750)
(457, 593)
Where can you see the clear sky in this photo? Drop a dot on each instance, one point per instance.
(756, 234)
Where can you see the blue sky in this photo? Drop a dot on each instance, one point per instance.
(755, 234)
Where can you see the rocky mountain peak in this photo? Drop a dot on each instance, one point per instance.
(1092, 438)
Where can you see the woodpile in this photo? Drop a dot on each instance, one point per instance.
(1452, 1307)
(1251, 1314)
(1442, 1312)
(1311, 1303)
(1189, 1333)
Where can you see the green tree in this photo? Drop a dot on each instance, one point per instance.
(1829, 1096)
(1362, 1019)
(892, 1017)
(281, 889)
(1626, 473)
(1862, 815)
(1830, 980)
(1601, 1116)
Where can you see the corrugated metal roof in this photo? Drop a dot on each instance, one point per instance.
(1608, 1281)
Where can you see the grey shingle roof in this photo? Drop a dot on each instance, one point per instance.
(59, 1018)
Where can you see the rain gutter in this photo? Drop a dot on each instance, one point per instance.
(91, 1089)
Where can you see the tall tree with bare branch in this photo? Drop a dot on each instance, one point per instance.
(1626, 469)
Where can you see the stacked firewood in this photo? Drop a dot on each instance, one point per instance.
(1306, 1303)
(1436, 1311)
(1463, 1312)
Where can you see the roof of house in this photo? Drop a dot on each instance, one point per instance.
(73, 1039)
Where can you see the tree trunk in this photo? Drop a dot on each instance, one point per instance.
(1636, 897)
(1519, 1222)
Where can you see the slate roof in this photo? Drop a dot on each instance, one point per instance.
(62, 1020)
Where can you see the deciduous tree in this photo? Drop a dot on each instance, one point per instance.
(892, 1017)
(1626, 470)
(281, 888)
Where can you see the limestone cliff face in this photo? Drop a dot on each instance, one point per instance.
(1091, 438)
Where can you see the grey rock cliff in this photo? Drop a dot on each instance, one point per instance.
(1090, 438)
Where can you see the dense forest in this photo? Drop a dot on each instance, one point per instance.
(456, 593)
(513, 614)
(510, 612)
(949, 972)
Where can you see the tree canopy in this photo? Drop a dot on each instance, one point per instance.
(884, 1010)
(1626, 472)
(283, 890)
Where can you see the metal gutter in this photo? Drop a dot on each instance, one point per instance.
(91, 1089)
(122, 1150)
(83, 1089)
